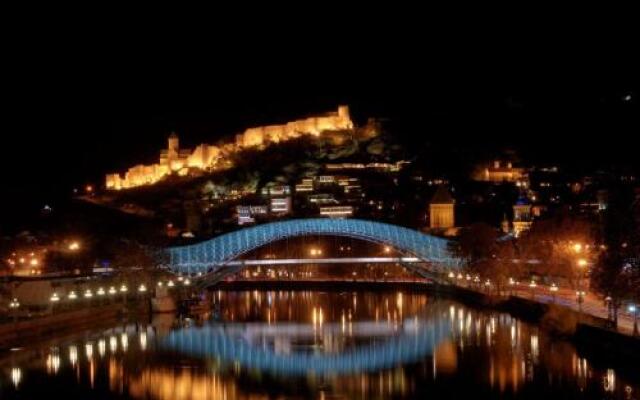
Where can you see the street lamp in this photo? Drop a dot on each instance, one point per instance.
(72, 295)
(553, 289)
(142, 288)
(634, 310)
(512, 283)
(533, 285)
(14, 305)
(577, 247)
(607, 301)
(582, 263)
(124, 289)
(580, 298)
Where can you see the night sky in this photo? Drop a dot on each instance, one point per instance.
(78, 110)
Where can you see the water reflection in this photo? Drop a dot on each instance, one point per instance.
(259, 345)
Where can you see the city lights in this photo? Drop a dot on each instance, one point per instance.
(14, 303)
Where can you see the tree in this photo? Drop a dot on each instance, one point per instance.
(617, 270)
(550, 243)
(487, 256)
(134, 262)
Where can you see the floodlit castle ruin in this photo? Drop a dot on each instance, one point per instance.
(174, 160)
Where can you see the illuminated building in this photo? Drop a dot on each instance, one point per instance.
(281, 205)
(175, 160)
(336, 211)
(441, 210)
(522, 217)
(246, 214)
(306, 185)
(500, 172)
(385, 167)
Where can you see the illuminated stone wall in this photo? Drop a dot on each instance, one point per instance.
(210, 157)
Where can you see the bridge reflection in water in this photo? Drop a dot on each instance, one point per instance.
(244, 344)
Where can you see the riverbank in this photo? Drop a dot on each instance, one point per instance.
(15, 334)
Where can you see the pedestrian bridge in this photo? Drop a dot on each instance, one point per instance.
(218, 254)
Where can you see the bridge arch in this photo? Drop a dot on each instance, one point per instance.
(211, 255)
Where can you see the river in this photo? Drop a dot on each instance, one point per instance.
(315, 344)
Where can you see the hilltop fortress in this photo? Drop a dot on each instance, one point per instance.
(174, 160)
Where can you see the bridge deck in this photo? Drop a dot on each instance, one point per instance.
(338, 260)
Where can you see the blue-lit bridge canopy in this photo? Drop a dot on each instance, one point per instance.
(210, 255)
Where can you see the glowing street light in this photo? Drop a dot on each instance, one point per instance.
(100, 292)
(187, 282)
(14, 304)
(582, 262)
(112, 290)
(553, 289)
(634, 310)
(123, 288)
(72, 295)
(55, 298)
(142, 288)
(170, 283)
(387, 249)
(74, 246)
(88, 294)
(580, 299)
(159, 283)
(577, 247)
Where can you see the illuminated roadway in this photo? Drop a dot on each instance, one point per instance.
(343, 260)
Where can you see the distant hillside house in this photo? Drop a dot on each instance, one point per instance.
(500, 171)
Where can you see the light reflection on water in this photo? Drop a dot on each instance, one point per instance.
(259, 344)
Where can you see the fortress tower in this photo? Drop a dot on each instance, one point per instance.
(174, 145)
(441, 210)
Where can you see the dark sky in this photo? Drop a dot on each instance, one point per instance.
(78, 107)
